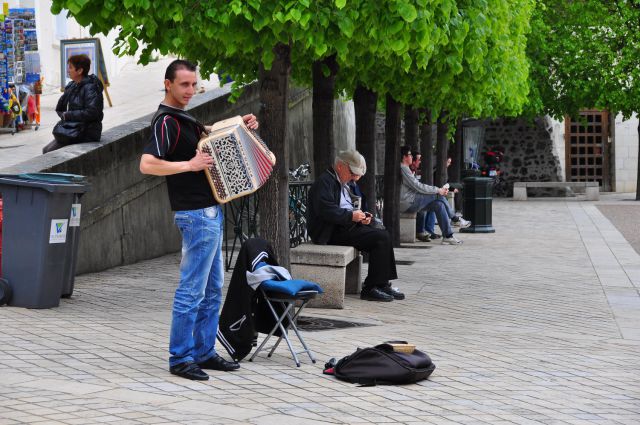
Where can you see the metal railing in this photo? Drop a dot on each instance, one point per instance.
(240, 224)
(242, 220)
(298, 199)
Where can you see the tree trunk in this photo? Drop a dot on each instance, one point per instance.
(391, 214)
(455, 151)
(457, 158)
(441, 150)
(426, 148)
(638, 180)
(411, 128)
(365, 101)
(274, 195)
(324, 147)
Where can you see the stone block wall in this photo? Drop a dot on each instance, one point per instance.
(529, 153)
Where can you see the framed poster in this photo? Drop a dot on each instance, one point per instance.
(77, 46)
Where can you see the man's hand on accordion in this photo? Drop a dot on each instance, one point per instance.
(200, 161)
(250, 121)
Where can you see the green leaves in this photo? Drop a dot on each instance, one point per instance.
(407, 11)
(346, 26)
(466, 56)
(583, 55)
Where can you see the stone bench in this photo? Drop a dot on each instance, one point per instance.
(408, 227)
(592, 189)
(337, 269)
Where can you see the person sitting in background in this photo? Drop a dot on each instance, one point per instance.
(333, 219)
(79, 108)
(415, 164)
(429, 218)
(416, 196)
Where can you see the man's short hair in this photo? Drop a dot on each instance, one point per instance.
(354, 160)
(80, 62)
(405, 150)
(416, 153)
(175, 66)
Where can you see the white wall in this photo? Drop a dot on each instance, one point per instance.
(51, 29)
(626, 156)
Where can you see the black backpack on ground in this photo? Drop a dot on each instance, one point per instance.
(382, 365)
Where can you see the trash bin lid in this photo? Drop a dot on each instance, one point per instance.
(54, 177)
(51, 182)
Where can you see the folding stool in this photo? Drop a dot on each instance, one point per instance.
(290, 313)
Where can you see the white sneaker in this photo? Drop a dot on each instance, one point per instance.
(451, 241)
(462, 223)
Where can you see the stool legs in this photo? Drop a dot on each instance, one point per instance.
(291, 314)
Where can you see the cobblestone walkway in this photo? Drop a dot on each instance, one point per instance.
(538, 323)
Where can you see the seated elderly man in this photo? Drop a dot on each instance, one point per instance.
(332, 219)
(416, 197)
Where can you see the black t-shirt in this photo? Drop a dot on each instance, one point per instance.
(175, 139)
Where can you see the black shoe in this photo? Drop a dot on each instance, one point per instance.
(423, 237)
(390, 290)
(218, 363)
(435, 236)
(375, 294)
(189, 370)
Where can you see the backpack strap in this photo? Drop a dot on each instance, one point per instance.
(179, 114)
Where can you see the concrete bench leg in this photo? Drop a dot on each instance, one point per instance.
(593, 193)
(353, 282)
(519, 193)
(331, 279)
(408, 230)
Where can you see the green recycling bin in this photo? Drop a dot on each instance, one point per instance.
(477, 204)
(41, 219)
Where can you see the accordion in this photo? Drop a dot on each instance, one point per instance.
(242, 163)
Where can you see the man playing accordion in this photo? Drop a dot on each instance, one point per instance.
(172, 152)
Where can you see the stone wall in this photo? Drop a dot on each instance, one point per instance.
(126, 215)
(528, 147)
(529, 153)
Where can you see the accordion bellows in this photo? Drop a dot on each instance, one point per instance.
(242, 163)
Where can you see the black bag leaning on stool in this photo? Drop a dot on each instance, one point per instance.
(383, 365)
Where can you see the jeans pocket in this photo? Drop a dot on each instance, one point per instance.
(185, 225)
(211, 212)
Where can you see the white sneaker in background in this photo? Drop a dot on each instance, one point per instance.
(451, 241)
(462, 223)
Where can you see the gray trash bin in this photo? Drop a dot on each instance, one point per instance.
(40, 235)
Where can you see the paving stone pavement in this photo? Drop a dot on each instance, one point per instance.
(538, 323)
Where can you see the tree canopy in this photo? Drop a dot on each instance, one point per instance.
(584, 55)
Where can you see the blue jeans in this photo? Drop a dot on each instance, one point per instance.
(426, 220)
(197, 301)
(435, 204)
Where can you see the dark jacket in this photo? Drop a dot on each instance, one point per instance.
(324, 212)
(244, 312)
(82, 102)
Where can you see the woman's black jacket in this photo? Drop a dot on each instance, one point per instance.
(85, 104)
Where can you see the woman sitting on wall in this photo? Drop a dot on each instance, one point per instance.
(79, 108)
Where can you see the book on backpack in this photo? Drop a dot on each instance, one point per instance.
(391, 363)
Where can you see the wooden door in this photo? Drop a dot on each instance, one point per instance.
(587, 148)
